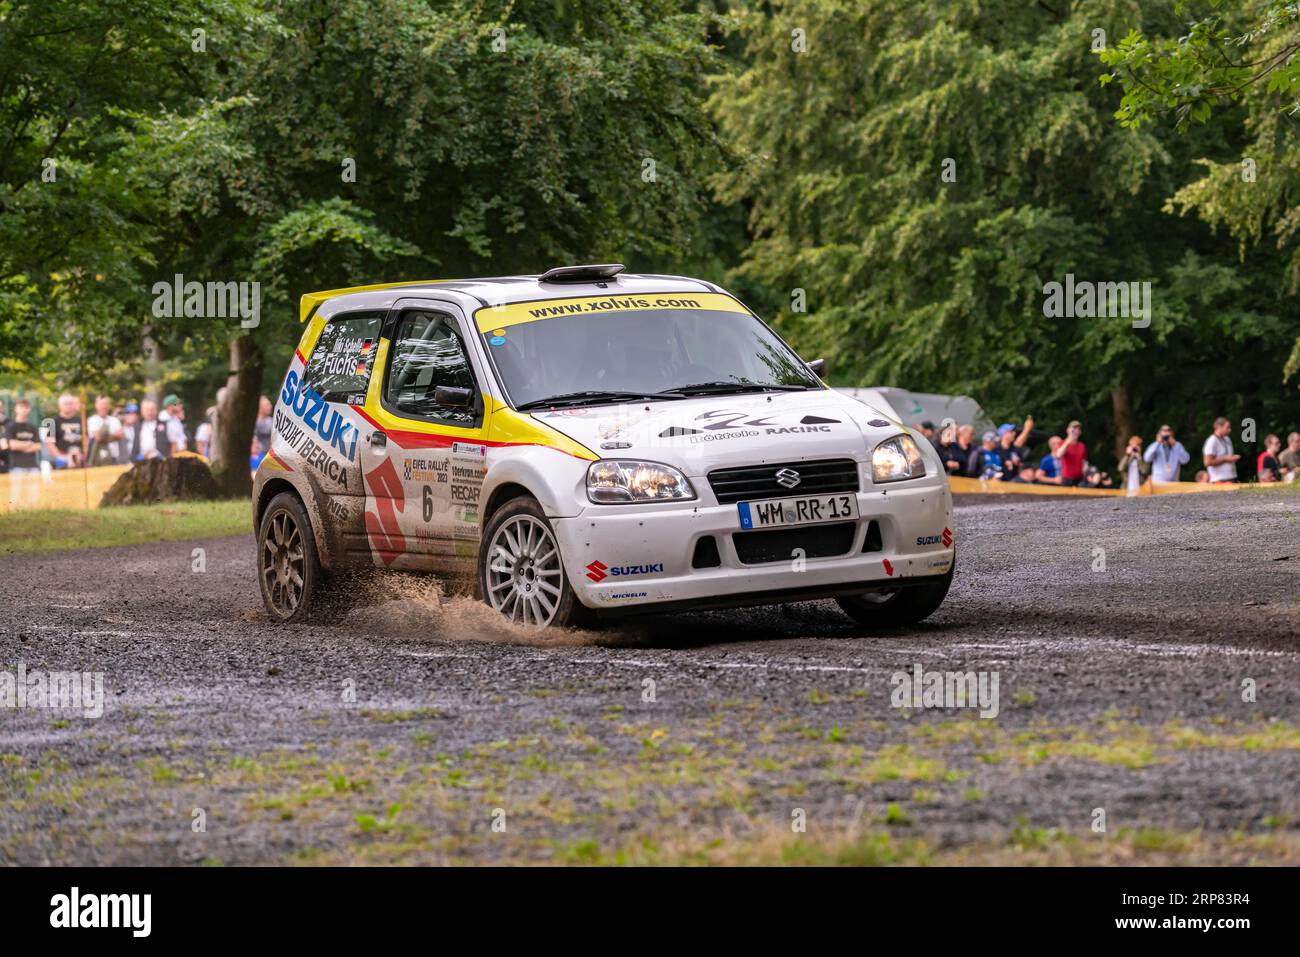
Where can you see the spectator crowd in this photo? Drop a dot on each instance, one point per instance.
(119, 433)
(116, 433)
(1004, 455)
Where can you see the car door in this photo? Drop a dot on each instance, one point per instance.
(425, 452)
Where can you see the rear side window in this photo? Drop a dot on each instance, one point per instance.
(427, 352)
(341, 362)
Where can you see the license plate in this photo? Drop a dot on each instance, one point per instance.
(804, 510)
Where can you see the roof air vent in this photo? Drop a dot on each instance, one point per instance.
(592, 273)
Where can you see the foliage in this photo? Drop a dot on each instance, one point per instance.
(504, 136)
(1232, 57)
(936, 283)
(474, 152)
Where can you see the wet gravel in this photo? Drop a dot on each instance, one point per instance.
(1123, 634)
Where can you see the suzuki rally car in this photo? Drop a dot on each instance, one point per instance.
(587, 442)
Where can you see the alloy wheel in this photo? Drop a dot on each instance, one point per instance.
(284, 563)
(524, 577)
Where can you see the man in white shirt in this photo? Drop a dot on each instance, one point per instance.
(174, 415)
(1166, 455)
(105, 433)
(148, 432)
(1220, 460)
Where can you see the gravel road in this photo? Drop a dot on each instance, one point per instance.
(1146, 653)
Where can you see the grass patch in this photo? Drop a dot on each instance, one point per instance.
(52, 530)
(1288, 487)
(900, 763)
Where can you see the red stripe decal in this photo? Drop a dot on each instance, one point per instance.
(426, 440)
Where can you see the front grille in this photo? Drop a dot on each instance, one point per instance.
(818, 477)
(779, 544)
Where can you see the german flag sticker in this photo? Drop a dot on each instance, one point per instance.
(366, 346)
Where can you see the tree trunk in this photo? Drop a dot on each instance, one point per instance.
(177, 479)
(1122, 412)
(236, 416)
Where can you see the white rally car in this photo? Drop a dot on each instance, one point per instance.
(587, 442)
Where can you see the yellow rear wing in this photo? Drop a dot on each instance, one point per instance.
(311, 301)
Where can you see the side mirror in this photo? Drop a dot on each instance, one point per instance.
(818, 366)
(453, 397)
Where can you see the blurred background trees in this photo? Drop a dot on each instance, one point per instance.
(908, 175)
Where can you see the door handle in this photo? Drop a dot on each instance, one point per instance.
(378, 440)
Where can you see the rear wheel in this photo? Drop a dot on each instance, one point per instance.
(900, 606)
(288, 567)
(521, 574)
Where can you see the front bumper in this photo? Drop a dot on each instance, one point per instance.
(634, 558)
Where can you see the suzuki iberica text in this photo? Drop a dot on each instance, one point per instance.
(587, 442)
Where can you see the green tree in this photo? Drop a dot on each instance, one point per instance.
(922, 172)
(325, 143)
(75, 235)
(1235, 63)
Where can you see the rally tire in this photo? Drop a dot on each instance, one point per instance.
(901, 607)
(288, 565)
(520, 570)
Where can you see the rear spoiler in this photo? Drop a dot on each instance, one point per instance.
(311, 301)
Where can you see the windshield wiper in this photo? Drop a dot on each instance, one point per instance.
(709, 388)
(589, 397)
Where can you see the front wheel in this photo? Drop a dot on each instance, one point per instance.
(520, 571)
(901, 606)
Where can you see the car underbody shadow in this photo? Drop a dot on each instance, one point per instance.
(731, 626)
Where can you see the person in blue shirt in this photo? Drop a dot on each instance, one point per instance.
(1049, 469)
(1166, 455)
(987, 461)
(1012, 447)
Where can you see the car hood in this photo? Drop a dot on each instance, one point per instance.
(707, 432)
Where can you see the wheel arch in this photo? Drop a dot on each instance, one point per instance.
(533, 472)
(269, 490)
(500, 495)
(277, 484)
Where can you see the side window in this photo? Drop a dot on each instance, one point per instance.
(339, 366)
(427, 354)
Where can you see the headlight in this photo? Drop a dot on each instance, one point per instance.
(896, 459)
(611, 481)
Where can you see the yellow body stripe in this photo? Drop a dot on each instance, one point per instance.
(490, 318)
(517, 428)
(307, 342)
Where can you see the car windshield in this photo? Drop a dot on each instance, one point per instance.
(644, 353)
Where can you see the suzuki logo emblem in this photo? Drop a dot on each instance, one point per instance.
(787, 478)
